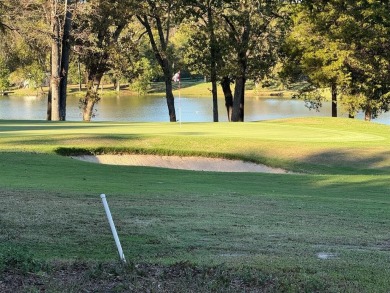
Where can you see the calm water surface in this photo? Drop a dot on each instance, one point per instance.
(154, 109)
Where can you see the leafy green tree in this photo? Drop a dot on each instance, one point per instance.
(352, 103)
(313, 57)
(127, 58)
(4, 76)
(367, 28)
(44, 24)
(252, 32)
(234, 41)
(363, 28)
(206, 14)
(75, 71)
(97, 32)
(199, 59)
(158, 19)
(36, 74)
(24, 61)
(143, 72)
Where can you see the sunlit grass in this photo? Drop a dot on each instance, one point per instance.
(281, 225)
(310, 144)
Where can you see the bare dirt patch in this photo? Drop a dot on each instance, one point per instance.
(184, 163)
(180, 277)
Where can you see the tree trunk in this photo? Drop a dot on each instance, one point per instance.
(368, 113)
(88, 110)
(215, 99)
(213, 62)
(48, 112)
(241, 48)
(242, 101)
(65, 61)
(91, 97)
(161, 57)
(170, 98)
(238, 101)
(227, 91)
(334, 100)
(79, 72)
(55, 64)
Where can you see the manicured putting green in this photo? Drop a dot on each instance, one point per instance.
(264, 130)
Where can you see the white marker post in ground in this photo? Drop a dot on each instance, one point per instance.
(113, 229)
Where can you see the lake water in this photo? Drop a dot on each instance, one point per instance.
(154, 109)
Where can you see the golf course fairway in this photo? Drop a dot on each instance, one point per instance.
(322, 227)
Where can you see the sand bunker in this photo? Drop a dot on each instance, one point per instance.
(185, 163)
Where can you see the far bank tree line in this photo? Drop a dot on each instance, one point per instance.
(337, 45)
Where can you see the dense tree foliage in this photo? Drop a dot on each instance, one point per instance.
(251, 28)
(341, 45)
(311, 56)
(98, 30)
(3, 9)
(206, 16)
(347, 49)
(237, 41)
(4, 74)
(158, 19)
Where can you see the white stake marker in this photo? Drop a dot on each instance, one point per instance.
(113, 229)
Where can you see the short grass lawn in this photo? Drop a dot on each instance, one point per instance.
(322, 228)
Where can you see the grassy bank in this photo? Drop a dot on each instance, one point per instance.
(322, 230)
(187, 88)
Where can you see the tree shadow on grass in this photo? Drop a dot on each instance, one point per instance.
(68, 142)
(364, 162)
(26, 125)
